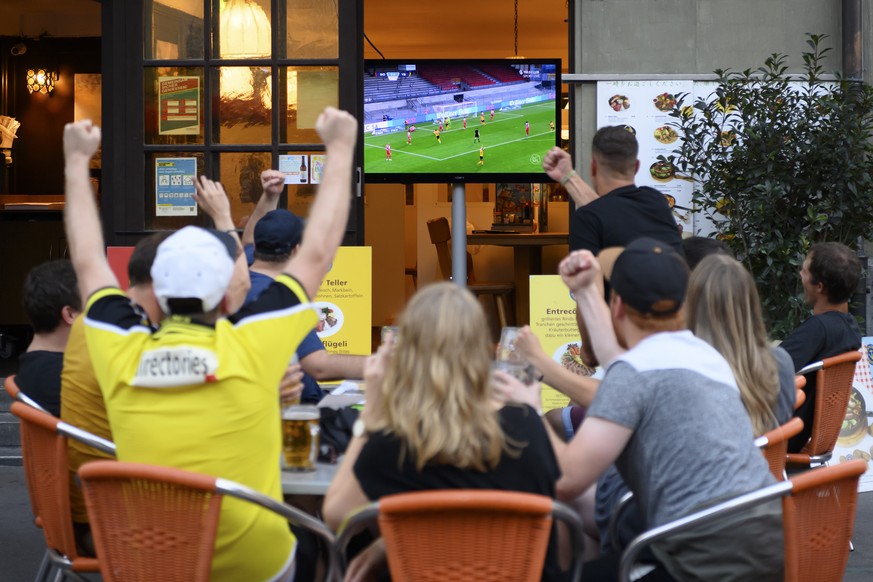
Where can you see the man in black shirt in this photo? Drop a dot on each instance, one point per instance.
(616, 211)
(829, 275)
(52, 302)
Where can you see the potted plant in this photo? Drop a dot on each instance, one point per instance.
(780, 162)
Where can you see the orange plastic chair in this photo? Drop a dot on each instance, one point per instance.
(834, 378)
(15, 393)
(159, 523)
(774, 445)
(44, 456)
(464, 534)
(818, 520)
(800, 397)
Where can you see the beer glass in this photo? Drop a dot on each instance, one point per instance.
(395, 331)
(522, 371)
(506, 348)
(300, 432)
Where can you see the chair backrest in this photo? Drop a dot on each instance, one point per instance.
(817, 523)
(151, 523)
(15, 393)
(457, 534)
(441, 237)
(44, 456)
(833, 388)
(774, 445)
(818, 520)
(160, 523)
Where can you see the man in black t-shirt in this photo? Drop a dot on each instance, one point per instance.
(616, 211)
(51, 302)
(829, 275)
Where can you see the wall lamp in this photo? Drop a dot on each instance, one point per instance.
(41, 80)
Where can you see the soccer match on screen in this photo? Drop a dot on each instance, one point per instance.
(454, 117)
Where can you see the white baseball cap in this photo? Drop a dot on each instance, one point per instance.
(193, 263)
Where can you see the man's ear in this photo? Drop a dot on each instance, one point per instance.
(636, 167)
(68, 314)
(616, 307)
(593, 167)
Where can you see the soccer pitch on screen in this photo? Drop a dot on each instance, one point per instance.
(507, 148)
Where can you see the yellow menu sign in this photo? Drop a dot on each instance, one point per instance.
(344, 303)
(553, 320)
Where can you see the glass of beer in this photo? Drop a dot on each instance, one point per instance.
(300, 433)
(506, 348)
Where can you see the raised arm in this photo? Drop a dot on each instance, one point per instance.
(272, 181)
(326, 225)
(559, 167)
(212, 198)
(81, 219)
(581, 273)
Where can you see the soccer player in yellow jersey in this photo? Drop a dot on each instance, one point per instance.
(482, 118)
(481, 156)
(173, 394)
(436, 133)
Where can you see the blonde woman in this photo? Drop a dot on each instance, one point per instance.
(431, 421)
(724, 310)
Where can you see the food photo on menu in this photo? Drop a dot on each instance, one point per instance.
(619, 102)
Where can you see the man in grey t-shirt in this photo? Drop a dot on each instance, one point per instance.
(669, 415)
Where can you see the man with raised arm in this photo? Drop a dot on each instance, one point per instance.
(270, 237)
(616, 211)
(640, 419)
(201, 392)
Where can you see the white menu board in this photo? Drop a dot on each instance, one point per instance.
(644, 108)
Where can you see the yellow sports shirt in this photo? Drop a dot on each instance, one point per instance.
(206, 399)
(82, 406)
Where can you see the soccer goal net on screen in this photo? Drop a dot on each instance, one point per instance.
(455, 110)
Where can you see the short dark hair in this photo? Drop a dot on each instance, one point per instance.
(837, 267)
(699, 247)
(139, 269)
(616, 148)
(48, 288)
(271, 258)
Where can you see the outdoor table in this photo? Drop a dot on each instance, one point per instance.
(312, 483)
(527, 251)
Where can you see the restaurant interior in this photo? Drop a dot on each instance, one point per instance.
(55, 56)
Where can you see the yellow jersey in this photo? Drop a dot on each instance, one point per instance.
(206, 398)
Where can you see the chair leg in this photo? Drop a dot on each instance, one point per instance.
(44, 568)
(501, 310)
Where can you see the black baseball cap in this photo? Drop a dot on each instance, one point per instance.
(647, 274)
(278, 232)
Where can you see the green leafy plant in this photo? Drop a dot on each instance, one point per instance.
(780, 162)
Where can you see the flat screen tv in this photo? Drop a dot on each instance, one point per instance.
(472, 120)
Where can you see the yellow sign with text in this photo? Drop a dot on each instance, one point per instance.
(344, 303)
(553, 321)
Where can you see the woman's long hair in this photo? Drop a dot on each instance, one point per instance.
(436, 391)
(724, 310)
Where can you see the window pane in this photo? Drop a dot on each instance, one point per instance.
(245, 106)
(244, 29)
(312, 27)
(151, 207)
(309, 91)
(176, 29)
(173, 105)
(301, 192)
(241, 177)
